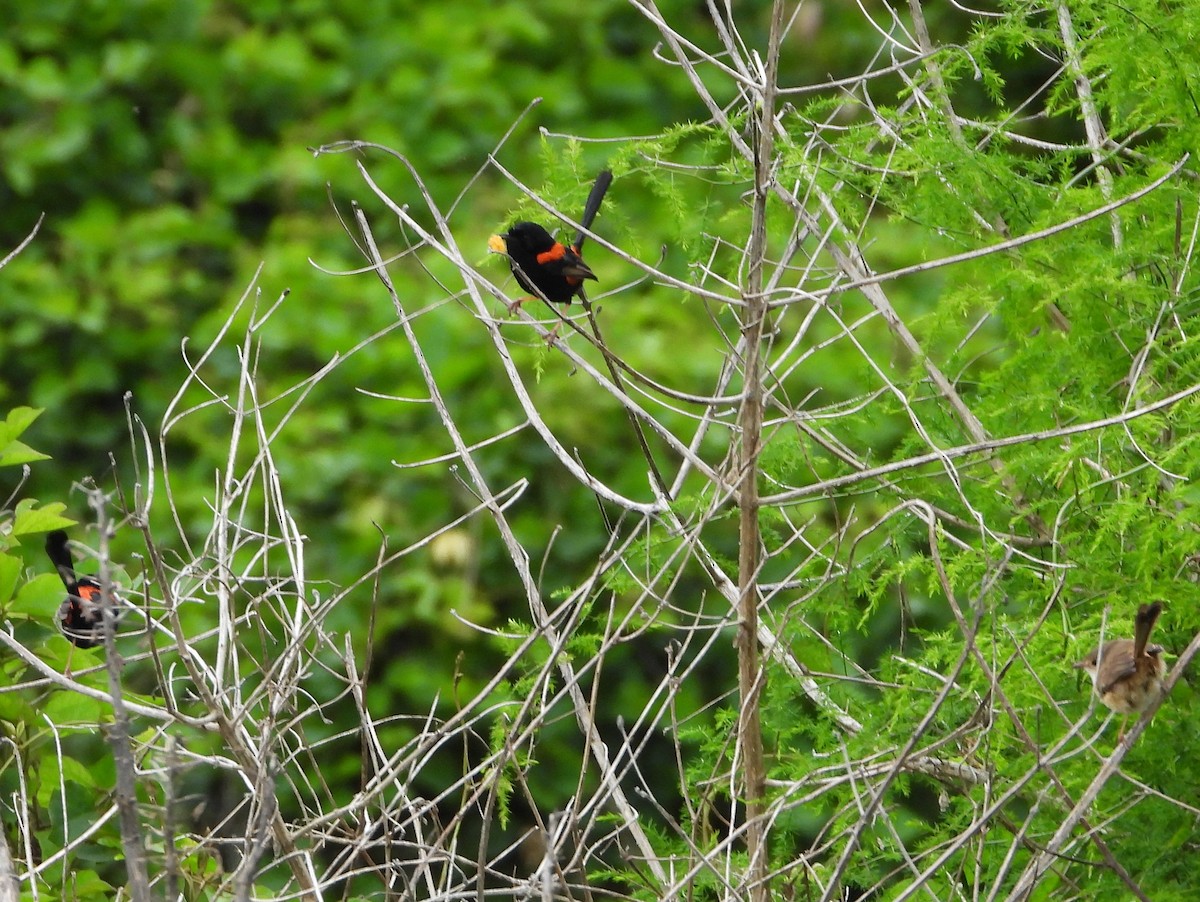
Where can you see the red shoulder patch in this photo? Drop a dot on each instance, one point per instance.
(555, 253)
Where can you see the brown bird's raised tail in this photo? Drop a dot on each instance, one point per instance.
(1143, 623)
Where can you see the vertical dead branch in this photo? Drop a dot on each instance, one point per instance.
(119, 733)
(9, 888)
(750, 425)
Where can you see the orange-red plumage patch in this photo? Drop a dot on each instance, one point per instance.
(89, 593)
(555, 253)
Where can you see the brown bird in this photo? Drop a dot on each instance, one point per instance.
(1127, 674)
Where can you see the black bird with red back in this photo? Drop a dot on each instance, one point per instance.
(545, 267)
(81, 614)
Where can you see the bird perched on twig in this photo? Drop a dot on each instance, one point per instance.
(545, 267)
(81, 614)
(1127, 674)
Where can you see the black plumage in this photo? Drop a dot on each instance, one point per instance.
(548, 268)
(81, 614)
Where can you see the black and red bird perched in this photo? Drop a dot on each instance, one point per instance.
(545, 267)
(81, 615)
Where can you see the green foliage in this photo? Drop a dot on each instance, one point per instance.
(169, 144)
(503, 784)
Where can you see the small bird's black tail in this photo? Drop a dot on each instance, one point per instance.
(60, 556)
(592, 207)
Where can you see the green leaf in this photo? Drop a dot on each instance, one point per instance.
(33, 519)
(18, 420)
(12, 452)
(10, 570)
(73, 709)
(16, 453)
(39, 597)
(76, 772)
